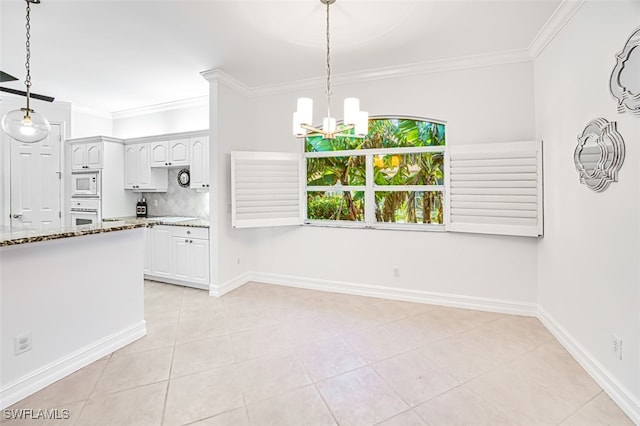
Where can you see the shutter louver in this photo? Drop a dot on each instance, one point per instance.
(265, 189)
(495, 189)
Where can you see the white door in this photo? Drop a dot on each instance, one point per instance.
(179, 152)
(161, 263)
(94, 155)
(181, 258)
(130, 166)
(35, 182)
(78, 156)
(199, 261)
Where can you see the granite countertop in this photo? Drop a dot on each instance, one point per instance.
(163, 220)
(11, 237)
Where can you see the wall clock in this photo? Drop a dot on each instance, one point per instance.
(184, 178)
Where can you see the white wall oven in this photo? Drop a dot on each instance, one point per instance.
(85, 184)
(85, 212)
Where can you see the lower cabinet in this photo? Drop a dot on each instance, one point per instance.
(179, 255)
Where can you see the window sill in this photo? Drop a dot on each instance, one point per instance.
(379, 226)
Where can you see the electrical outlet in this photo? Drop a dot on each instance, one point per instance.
(22, 343)
(396, 271)
(155, 203)
(238, 261)
(617, 346)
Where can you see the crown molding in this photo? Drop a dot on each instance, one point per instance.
(560, 17)
(465, 62)
(219, 76)
(166, 106)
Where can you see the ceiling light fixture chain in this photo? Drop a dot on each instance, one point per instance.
(354, 119)
(27, 65)
(328, 64)
(24, 124)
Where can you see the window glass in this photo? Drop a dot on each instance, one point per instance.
(335, 205)
(409, 169)
(330, 171)
(409, 206)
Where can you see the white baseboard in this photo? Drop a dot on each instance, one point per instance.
(618, 393)
(229, 285)
(453, 300)
(54, 371)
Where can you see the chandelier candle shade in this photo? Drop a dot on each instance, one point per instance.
(24, 124)
(353, 117)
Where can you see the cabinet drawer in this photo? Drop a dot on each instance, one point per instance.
(190, 232)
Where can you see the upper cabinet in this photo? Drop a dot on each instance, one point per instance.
(148, 159)
(86, 155)
(172, 153)
(138, 174)
(199, 147)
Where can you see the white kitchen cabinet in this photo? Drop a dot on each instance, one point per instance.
(170, 153)
(86, 155)
(161, 256)
(179, 255)
(199, 162)
(138, 174)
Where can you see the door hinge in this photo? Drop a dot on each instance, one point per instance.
(60, 214)
(59, 138)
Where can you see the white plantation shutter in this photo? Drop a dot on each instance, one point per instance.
(495, 189)
(265, 189)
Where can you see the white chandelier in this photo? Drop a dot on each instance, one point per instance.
(353, 117)
(24, 124)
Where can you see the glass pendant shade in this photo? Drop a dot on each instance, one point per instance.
(329, 125)
(351, 109)
(26, 125)
(362, 123)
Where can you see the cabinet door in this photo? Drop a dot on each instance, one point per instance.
(199, 162)
(199, 261)
(161, 261)
(159, 154)
(94, 155)
(130, 166)
(181, 248)
(78, 156)
(143, 166)
(179, 152)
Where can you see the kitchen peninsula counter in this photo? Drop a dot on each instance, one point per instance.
(10, 237)
(195, 222)
(70, 296)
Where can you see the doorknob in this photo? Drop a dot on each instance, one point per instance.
(17, 216)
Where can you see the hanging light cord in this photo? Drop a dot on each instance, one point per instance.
(27, 81)
(328, 66)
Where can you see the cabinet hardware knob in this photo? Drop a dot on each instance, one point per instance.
(188, 232)
(190, 241)
(186, 241)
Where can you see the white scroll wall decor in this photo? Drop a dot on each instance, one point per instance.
(599, 154)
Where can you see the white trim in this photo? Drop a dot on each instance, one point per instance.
(441, 65)
(374, 74)
(419, 296)
(229, 285)
(560, 17)
(56, 370)
(219, 76)
(165, 106)
(618, 393)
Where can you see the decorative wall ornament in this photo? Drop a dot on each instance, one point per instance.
(625, 78)
(599, 154)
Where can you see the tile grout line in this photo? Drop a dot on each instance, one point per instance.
(173, 351)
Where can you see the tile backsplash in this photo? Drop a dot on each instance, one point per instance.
(177, 201)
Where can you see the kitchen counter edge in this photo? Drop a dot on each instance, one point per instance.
(151, 221)
(13, 238)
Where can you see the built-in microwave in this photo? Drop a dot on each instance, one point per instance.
(85, 184)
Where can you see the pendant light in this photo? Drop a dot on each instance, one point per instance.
(24, 124)
(353, 117)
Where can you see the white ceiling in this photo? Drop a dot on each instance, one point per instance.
(118, 55)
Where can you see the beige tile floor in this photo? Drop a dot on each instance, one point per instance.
(273, 355)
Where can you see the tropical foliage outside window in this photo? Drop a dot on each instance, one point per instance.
(395, 174)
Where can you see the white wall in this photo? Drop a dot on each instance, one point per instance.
(588, 276)
(487, 104)
(230, 249)
(179, 117)
(87, 123)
